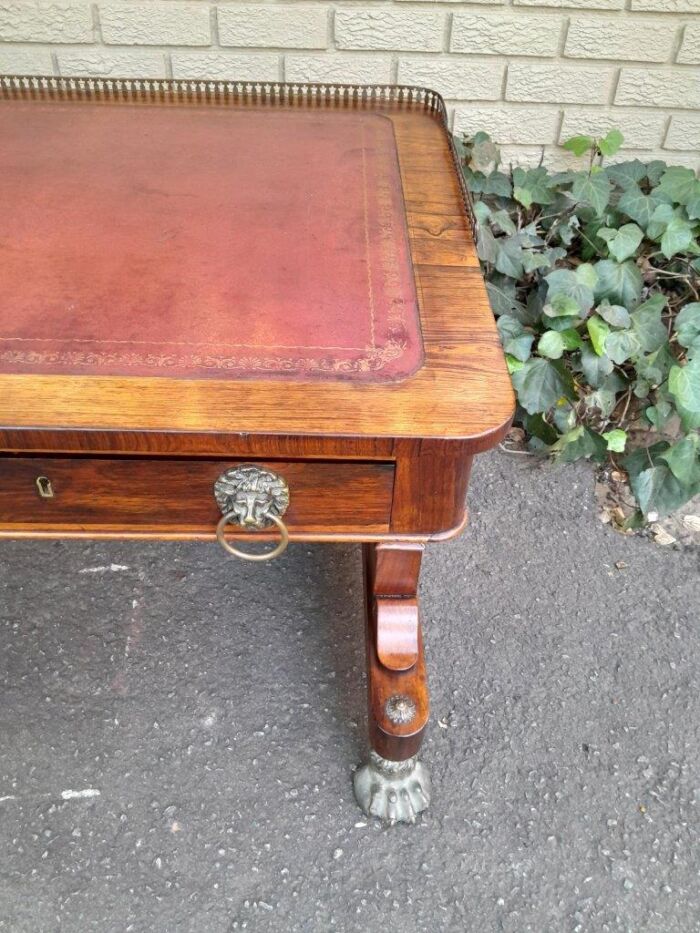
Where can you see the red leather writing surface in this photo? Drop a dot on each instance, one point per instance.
(203, 241)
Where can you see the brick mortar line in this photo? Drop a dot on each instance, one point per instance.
(426, 6)
(447, 33)
(330, 29)
(487, 9)
(437, 57)
(563, 35)
(96, 23)
(664, 135)
(398, 54)
(560, 125)
(614, 84)
(549, 106)
(504, 82)
(214, 27)
(630, 154)
(394, 69)
(678, 44)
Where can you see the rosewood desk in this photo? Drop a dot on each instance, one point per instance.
(250, 312)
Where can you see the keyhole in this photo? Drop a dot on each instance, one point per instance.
(43, 484)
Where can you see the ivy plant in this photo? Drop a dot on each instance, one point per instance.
(594, 277)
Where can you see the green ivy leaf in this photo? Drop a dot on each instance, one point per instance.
(502, 297)
(598, 331)
(614, 314)
(538, 427)
(592, 189)
(533, 260)
(595, 368)
(620, 282)
(658, 491)
(641, 388)
(647, 324)
(579, 442)
(564, 418)
(692, 208)
(575, 285)
(503, 221)
(535, 185)
(659, 414)
(638, 206)
(483, 153)
(499, 184)
(604, 398)
(610, 144)
(687, 326)
(656, 488)
(683, 459)
(513, 364)
(539, 385)
(661, 218)
(566, 230)
(621, 345)
(677, 237)
(551, 345)
(586, 275)
(509, 257)
(563, 323)
(655, 170)
(579, 144)
(655, 367)
(516, 340)
(627, 174)
(616, 440)
(679, 183)
(482, 211)
(572, 338)
(523, 195)
(684, 386)
(622, 242)
(638, 460)
(486, 245)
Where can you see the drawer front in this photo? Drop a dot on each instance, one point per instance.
(177, 496)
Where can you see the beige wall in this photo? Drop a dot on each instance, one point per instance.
(530, 72)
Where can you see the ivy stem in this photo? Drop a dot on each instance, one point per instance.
(590, 243)
(628, 399)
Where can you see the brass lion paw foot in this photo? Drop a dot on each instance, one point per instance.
(393, 791)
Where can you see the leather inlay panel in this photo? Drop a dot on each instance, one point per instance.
(204, 242)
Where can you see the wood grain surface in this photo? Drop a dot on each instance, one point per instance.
(391, 566)
(127, 495)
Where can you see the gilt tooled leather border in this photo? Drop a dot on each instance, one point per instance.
(373, 358)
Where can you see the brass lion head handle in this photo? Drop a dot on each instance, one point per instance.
(253, 498)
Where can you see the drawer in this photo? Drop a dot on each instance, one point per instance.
(157, 496)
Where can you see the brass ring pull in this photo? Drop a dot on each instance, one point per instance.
(246, 555)
(252, 497)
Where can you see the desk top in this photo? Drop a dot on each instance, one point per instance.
(246, 258)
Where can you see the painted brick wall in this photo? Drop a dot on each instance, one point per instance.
(530, 72)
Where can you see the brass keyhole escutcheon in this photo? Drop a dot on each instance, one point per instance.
(43, 484)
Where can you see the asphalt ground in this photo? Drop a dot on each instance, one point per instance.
(179, 731)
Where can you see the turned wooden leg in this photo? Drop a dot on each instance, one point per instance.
(393, 785)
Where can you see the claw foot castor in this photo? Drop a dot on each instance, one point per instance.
(393, 791)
